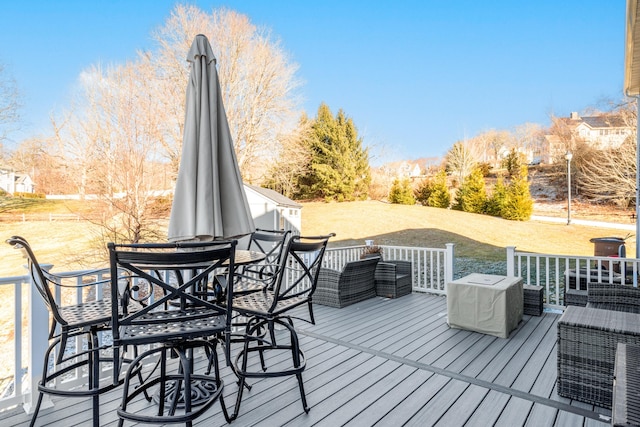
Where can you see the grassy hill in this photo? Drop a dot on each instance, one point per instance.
(475, 236)
(71, 244)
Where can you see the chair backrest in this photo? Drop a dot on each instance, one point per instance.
(269, 242)
(272, 243)
(614, 296)
(40, 279)
(363, 269)
(299, 268)
(177, 280)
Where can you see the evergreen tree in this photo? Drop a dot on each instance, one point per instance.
(472, 195)
(339, 165)
(434, 191)
(423, 191)
(495, 203)
(440, 196)
(518, 204)
(401, 192)
(513, 162)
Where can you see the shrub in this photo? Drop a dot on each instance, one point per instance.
(472, 195)
(495, 203)
(29, 195)
(440, 196)
(518, 204)
(401, 192)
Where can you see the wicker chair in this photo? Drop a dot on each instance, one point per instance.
(587, 340)
(393, 278)
(355, 283)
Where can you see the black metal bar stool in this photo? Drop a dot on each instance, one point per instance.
(68, 322)
(295, 284)
(180, 321)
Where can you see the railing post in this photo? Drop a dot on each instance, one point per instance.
(36, 347)
(449, 266)
(511, 260)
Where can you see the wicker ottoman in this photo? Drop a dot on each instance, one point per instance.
(587, 341)
(532, 300)
(575, 297)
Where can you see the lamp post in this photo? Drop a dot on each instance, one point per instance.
(568, 156)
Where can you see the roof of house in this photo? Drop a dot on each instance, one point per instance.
(604, 121)
(596, 122)
(22, 178)
(278, 198)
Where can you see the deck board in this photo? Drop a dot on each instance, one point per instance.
(390, 362)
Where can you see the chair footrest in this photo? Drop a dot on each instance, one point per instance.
(195, 394)
(293, 370)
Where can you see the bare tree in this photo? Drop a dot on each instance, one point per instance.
(293, 160)
(562, 132)
(128, 120)
(460, 160)
(529, 139)
(257, 80)
(486, 147)
(9, 104)
(37, 157)
(610, 175)
(111, 141)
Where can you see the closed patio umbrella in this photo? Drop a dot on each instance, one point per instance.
(209, 201)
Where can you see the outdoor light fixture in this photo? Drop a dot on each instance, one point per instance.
(568, 156)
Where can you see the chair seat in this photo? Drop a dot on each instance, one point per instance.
(247, 286)
(261, 302)
(188, 325)
(91, 313)
(86, 314)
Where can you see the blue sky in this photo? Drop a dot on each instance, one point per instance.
(415, 76)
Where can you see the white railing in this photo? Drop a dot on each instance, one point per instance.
(555, 272)
(13, 375)
(19, 378)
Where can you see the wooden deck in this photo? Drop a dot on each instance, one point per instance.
(391, 363)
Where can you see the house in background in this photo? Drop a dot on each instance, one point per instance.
(604, 131)
(13, 182)
(273, 211)
(601, 132)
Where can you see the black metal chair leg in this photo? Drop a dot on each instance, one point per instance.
(94, 375)
(302, 394)
(241, 374)
(35, 412)
(295, 354)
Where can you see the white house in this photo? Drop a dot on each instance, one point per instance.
(601, 132)
(604, 131)
(273, 211)
(13, 182)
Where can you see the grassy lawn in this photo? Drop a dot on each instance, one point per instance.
(67, 243)
(475, 236)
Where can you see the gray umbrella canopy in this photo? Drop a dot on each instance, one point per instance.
(209, 200)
